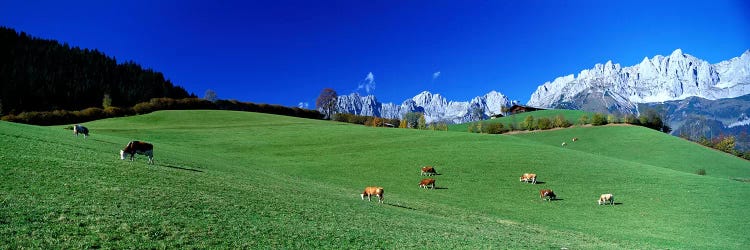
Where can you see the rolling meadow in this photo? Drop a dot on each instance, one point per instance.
(230, 179)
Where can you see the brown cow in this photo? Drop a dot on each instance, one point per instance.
(606, 198)
(527, 177)
(427, 182)
(138, 147)
(428, 171)
(575, 138)
(370, 191)
(547, 194)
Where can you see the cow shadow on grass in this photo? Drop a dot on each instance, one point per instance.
(539, 182)
(180, 168)
(109, 142)
(440, 188)
(400, 206)
(555, 199)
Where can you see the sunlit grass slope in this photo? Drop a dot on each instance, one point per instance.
(234, 179)
(517, 119)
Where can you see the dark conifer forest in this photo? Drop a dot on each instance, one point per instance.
(42, 75)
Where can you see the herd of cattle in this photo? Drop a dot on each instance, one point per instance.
(147, 149)
(544, 194)
(130, 150)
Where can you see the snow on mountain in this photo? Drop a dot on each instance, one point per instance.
(742, 122)
(611, 88)
(435, 107)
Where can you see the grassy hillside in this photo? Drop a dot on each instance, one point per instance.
(238, 179)
(517, 119)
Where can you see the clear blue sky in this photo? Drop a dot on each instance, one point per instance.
(286, 52)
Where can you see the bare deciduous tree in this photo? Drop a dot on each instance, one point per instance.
(326, 102)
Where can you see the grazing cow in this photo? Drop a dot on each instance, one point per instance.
(575, 138)
(370, 191)
(428, 171)
(78, 129)
(547, 194)
(138, 147)
(607, 198)
(528, 178)
(564, 144)
(427, 182)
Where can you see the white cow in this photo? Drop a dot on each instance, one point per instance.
(606, 198)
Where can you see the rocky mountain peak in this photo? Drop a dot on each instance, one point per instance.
(611, 88)
(435, 107)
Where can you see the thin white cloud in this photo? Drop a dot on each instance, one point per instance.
(303, 105)
(368, 84)
(435, 75)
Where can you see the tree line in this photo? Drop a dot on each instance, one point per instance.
(59, 117)
(44, 75)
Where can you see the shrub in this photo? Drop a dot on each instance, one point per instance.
(528, 123)
(651, 119)
(544, 123)
(93, 113)
(442, 126)
(143, 108)
(746, 155)
(700, 172)
(495, 128)
(631, 119)
(598, 119)
(513, 126)
(113, 111)
(612, 119)
(561, 122)
(583, 120)
(372, 121)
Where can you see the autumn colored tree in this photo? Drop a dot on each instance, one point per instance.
(421, 123)
(412, 119)
(725, 143)
(583, 120)
(544, 123)
(326, 102)
(560, 122)
(106, 101)
(528, 123)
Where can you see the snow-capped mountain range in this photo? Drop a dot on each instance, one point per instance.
(611, 88)
(435, 107)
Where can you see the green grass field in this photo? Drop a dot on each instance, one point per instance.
(226, 179)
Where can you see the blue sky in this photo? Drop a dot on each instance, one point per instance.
(286, 52)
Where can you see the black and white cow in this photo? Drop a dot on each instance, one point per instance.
(78, 129)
